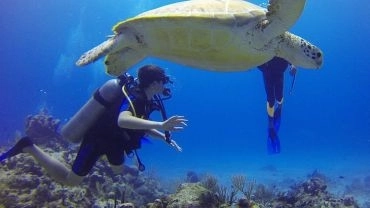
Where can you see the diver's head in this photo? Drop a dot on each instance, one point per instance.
(152, 76)
(151, 73)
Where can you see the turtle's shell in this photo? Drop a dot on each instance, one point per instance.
(210, 34)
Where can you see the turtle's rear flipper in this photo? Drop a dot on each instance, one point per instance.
(119, 62)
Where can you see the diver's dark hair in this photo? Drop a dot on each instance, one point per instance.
(150, 73)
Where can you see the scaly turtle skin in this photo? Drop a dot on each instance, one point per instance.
(221, 35)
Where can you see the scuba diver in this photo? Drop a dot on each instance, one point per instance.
(112, 123)
(273, 77)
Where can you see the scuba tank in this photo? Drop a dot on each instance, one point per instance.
(89, 113)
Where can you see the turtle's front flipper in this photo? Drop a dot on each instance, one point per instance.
(101, 50)
(95, 53)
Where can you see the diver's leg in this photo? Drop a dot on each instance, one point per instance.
(116, 155)
(53, 167)
(268, 80)
(270, 108)
(85, 160)
(270, 114)
(279, 87)
(73, 179)
(277, 114)
(273, 143)
(270, 92)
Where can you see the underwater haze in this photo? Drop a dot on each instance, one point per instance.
(325, 120)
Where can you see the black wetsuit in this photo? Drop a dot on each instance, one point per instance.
(273, 77)
(107, 138)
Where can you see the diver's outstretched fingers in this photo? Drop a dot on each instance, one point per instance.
(175, 145)
(174, 123)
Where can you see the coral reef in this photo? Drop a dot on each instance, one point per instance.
(313, 194)
(43, 129)
(189, 195)
(245, 193)
(24, 184)
(361, 189)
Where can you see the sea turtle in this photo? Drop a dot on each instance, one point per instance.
(220, 35)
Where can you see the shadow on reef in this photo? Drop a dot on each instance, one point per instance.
(24, 184)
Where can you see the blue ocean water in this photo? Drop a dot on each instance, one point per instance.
(325, 121)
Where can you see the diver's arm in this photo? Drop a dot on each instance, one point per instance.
(160, 135)
(156, 134)
(127, 120)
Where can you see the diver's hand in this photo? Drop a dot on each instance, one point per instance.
(175, 145)
(174, 123)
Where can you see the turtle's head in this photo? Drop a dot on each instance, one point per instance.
(314, 56)
(299, 51)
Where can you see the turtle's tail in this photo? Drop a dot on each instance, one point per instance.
(97, 52)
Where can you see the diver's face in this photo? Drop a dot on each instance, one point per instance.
(157, 87)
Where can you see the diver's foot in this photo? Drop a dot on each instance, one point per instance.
(273, 143)
(272, 134)
(277, 113)
(277, 118)
(17, 149)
